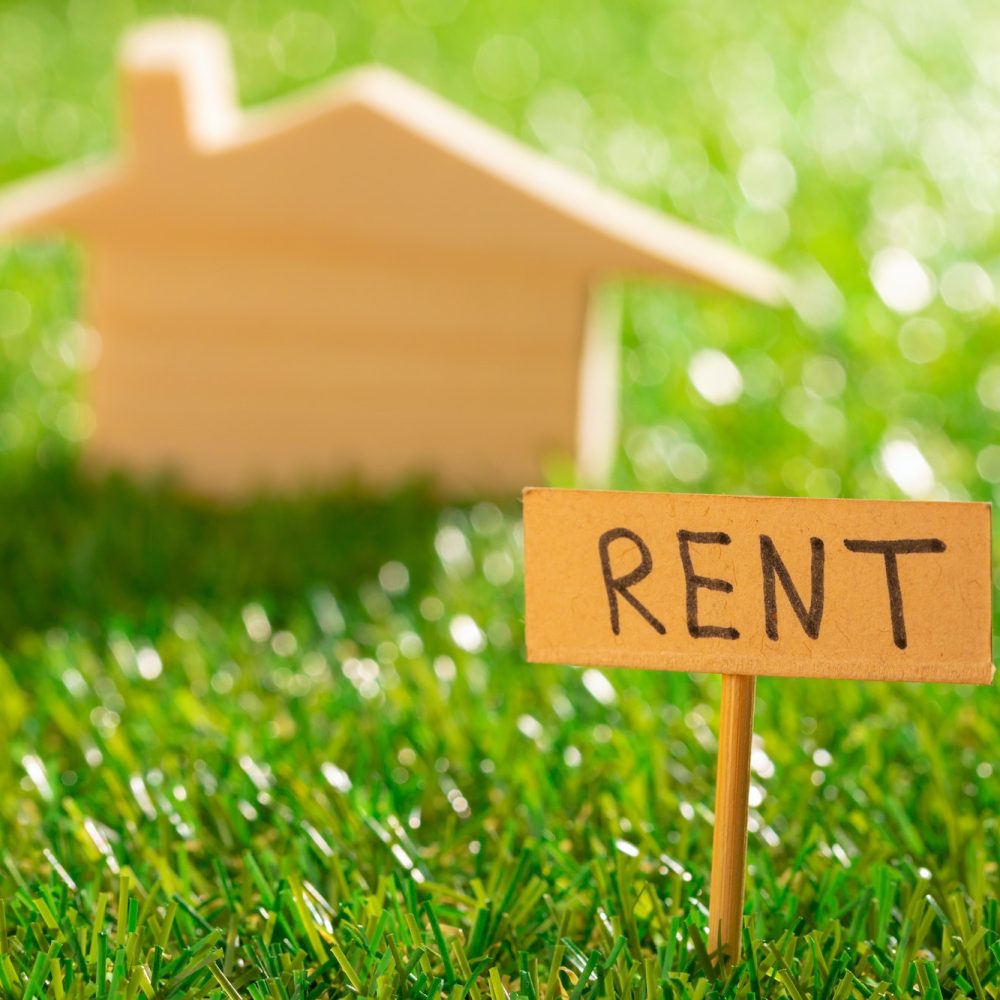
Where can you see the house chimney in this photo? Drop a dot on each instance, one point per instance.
(178, 87)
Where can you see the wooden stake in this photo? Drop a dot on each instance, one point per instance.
(729, 841)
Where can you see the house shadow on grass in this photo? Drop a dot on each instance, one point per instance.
(95, 552)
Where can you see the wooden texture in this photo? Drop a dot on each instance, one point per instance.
(717, 586)
(363, 280)
(729, 837)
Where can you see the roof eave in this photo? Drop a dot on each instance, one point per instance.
(55, 202)
(630, 236)
(695, 258)
(640, 238)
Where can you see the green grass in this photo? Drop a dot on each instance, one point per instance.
(369, 792)
(246, 754)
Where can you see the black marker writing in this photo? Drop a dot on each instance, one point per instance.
(889, 550)
(693, 582)
(615, 585)
(773, 567)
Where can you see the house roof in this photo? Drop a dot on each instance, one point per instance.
(181, 69)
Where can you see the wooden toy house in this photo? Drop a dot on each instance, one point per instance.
(362, 280)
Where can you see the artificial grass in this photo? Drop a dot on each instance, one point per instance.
(368, 792)
(239, 764)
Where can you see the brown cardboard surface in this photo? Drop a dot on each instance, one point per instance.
(941, 630)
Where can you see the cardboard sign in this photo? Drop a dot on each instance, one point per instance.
(869, 590)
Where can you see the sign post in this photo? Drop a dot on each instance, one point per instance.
(732, 804)
(754, 586)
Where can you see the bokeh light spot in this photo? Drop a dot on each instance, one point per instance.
(716, 377)
(902, 282)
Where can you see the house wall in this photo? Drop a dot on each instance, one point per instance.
(241, 366)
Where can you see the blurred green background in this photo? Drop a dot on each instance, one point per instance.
(852, 145)
(207, 710)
